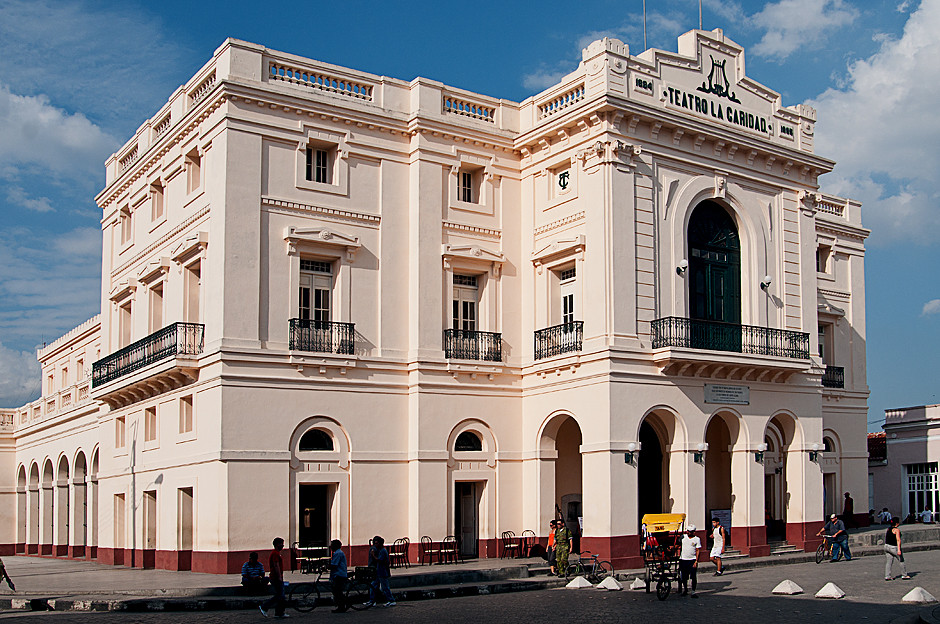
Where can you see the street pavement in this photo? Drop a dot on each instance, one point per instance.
(742, 595)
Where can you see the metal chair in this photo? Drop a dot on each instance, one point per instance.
(450, 550)
(529, 541)
(398, 553)
(510, 545)
(428, 550)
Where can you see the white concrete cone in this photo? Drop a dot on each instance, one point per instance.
(578, 582)
(918, 595)
(830, 590)
(787, 588)
(611, 584)
(638, 583)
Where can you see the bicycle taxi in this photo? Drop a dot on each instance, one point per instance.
(661, 540)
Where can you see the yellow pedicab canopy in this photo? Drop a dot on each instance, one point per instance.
(657, 523)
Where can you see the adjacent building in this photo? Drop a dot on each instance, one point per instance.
(902, 463)
(336, 304)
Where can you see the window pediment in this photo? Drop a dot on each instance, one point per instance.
(472, 254)
(557, 249)
(153, 270)
(318, 239)
(190, 247)
(124, 289)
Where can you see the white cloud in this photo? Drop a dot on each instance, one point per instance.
(792, 24)
(35, 132)
(882, 129)
(931, 307)
(17, 195)
(19, 377)
(543, 79)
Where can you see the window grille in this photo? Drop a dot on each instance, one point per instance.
(465, 280)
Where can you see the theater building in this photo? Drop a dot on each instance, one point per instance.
(336, 304)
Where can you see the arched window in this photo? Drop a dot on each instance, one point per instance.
(316, 440)
(828, 446)
(468, 441)
(714, 265)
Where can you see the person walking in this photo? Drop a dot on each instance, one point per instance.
(338, 576)
(378, 559)
(276, 567)
(6, 577)
(562, 547)
(718, 545)
(893, 550)
(688, 560)
(550, 551)
(835, 530)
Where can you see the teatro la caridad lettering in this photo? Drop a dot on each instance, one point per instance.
(336, 304)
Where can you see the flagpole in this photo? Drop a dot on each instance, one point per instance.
(700, 14)
(645, 46)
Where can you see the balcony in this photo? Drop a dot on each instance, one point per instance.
(468, 344)
(175, 339)
(558, 339)
(727, 350)
(322, 336)
(834, 377)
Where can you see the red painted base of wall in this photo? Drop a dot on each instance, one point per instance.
(19, 549)
(8, 550)
(32, 549)
(76, 552)
(45, 549)
(61, 550)
(751, 541)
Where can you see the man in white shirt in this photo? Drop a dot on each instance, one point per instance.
(688, 560)
(926, 516)
(718, 545)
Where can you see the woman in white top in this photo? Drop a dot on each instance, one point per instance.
(718, 544)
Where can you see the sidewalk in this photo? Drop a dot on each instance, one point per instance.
(62, 584)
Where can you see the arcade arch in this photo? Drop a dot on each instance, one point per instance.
(471, 479)
(721, 434)
(561, 472)
(319, 482)
(660, 431)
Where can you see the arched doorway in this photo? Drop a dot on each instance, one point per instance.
(22, 504)
(47, 538)
(652, 469)
(779, 435)
(32, 541)
(93, 515)
(62, 508)
(720, 436)
(714, 277)
(80, 503)
(563, 436)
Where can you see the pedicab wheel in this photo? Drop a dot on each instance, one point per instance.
(649, 580)
(663, 587)
(821, 552)
(358, 596)
(304, 597)
(604, 569)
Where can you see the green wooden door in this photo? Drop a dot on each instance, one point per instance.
(714, 279)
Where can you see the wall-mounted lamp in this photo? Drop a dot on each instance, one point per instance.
(766, 282)
(628, 457)
(698, 456)
(759, 453)
(683, 265)
(814, 453)
(599, 148)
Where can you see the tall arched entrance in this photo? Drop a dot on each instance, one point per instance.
(714, 277)
(563, 436)
(778, 436)
(720, 436)
(656, 435)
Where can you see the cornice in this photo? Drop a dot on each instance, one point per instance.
(472, 230)
(848, 231)
(554, 225)
(159, 242)
(329, 214)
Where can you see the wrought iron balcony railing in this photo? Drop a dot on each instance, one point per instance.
(175, 339)
(467, 344)
(322, 336)
(834, 377)
(673, 331)
(559, 339)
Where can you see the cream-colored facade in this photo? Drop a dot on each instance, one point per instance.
(336, 304)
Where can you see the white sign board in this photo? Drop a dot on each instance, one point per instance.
(727, 395)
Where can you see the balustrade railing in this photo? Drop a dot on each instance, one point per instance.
(175, 339)
(834, 377)
(558, 339)
(318, 79)
(561, 102)
(322, 336)
(202, 88)
(673, 331)
(468, 109)
(467, 344)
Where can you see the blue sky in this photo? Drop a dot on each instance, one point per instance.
(78, 77)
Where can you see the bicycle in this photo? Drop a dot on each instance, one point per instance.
(305, 597)
(824, 550)
(594, 571)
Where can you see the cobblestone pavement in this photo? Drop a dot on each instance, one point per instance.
(741, 595)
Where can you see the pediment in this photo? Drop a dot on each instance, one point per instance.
(152, 270)
(472, 252)
(559, 247)
(320, 238)
(190, 246)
